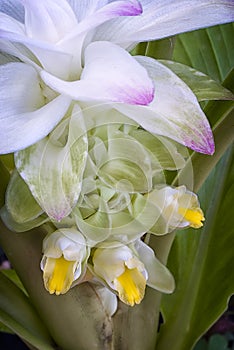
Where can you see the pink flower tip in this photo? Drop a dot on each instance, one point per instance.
(132, 8)
(208, 147)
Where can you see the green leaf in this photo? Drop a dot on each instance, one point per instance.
(24, 333)
(5, 329)
(210, 50)
(201, 345)
(202, 264)
(8, 161)
(201, 84)
(216, 109)
(156, 49)
(17, 314)
(200, 56)
(216, 342)
(12, 276)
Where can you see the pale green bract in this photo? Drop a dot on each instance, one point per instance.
(123, 196)
(123, 164)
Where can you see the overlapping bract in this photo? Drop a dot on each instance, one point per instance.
(81, 115)
(122, 195)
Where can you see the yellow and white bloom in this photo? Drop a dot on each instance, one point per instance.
(178, 208)
(121, 267)
(122, 271)
(64, 260)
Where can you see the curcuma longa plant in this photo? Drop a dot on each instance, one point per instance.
(104, 142)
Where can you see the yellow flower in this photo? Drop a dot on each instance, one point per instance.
(64, 259)
(59, 274)
(177, 208)
(127, 270)
(130, 286)
(194, 216)
(122, 271)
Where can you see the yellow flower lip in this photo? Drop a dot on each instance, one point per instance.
(131, 286)
(58, 275)
(194, 216)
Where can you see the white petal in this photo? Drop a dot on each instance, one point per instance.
(48, 20)
(109, 74)
(85, 8)
(165, 18)
(22, 130)
(159, 277)
(53, 168)
(51, 57)
(102, 14)
(24, 120)
(13, 8)
(107, 298)
(10, 24)
(6, 58)
(54, 61)
(68, 242)
(95, 14)
(19, 52)
(20, 89)
(109, 260)
(174, 112)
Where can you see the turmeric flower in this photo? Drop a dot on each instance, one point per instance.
(127, 270)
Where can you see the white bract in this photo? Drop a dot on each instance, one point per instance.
(76, 50)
